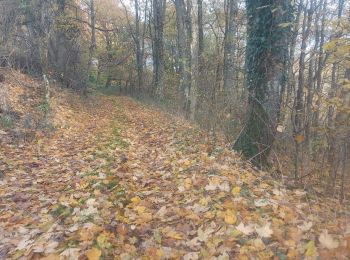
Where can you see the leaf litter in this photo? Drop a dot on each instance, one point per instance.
(124, 181)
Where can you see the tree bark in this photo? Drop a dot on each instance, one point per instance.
(137, 39)
(184, 34)
(266, 61)
(158, 46)
(197, 55)
(229, 46)
(299, 108)
(93, 39)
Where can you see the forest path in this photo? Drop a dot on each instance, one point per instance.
(123, 180)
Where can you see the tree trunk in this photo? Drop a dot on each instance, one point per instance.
(93, 40)
(229, 46)
(184, 34)
(334, 72)
(158, 47)
(197, 55)
(109, 59)
(299, 108)
(266, 60)
(291, 73)
(320, 65)
(139, 55)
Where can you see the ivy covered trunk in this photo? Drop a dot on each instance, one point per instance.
(158, 46)
(268, 34)
(184, 37)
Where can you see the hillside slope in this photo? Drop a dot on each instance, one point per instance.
(118, 179)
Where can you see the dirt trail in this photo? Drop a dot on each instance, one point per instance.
(119, 180)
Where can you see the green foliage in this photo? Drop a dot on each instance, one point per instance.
(92, 78)
(44, 107)
(117, 140)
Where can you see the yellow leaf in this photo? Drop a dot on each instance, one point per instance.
(310, 249)
(192, 216)
(258, 244)
(215, 181)
(266, 254)
(84, 185)
(97, 193)
(62, 199)
(169, 232)
(93, 254)
(331, 45)
(188, 183)
(236, 191)
(174, 234)
(144, 218)
(140, 209)
(187, 163)
(73, 202)
(119, 215)
(88, 233)
(209, 215)
(160, 253)
(102, 240)
(75, 218)
(292, 254)
(230, 217)
(242, 257)
(136, 200)
(204, 201)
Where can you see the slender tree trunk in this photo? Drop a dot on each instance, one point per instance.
(291, 74)
(320, 65)
(334, 72)
(200, 36)
(197, 55)
(109, 59)
(332, 133)
(229, 46)
(137, 39)
(184, 34)
(92, 42)
(299, 116)
(311, 80)
(98, 74)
